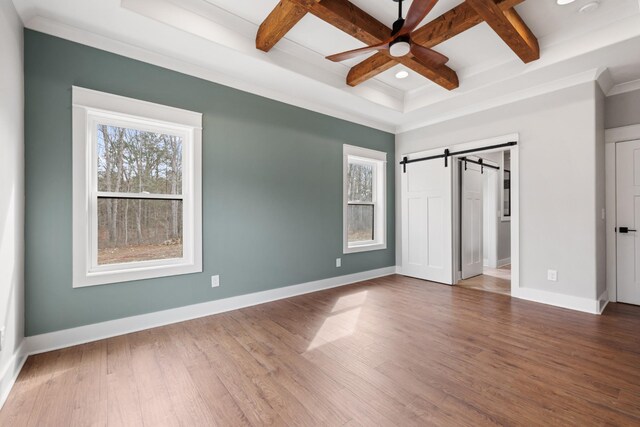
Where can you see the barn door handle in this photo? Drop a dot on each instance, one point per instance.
(625, 230)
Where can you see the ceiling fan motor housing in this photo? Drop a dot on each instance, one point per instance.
(401, 45)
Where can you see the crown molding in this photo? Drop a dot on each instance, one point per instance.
(298, 76)
(510, 98)
(77, 35)
(624, 88)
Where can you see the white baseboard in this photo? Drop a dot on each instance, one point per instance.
(97, 331)
(503, 262)
(559, 300)
(10, 371)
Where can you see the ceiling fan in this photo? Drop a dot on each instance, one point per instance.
(400, 43)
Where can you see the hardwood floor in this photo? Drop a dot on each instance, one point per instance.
(496, 280)
(392, 351)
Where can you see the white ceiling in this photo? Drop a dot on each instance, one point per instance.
(214, 39)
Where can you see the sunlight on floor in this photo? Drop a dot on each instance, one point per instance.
(341, 324)
(350, 301)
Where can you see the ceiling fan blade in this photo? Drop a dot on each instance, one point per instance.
(417, 12)
(338, 57)
(428, 55)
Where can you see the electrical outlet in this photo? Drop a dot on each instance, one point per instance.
(338, 262)
(552, 275)
(215, 281)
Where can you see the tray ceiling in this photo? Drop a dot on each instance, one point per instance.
(217, 37)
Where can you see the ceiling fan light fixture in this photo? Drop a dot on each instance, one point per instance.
(399, 48)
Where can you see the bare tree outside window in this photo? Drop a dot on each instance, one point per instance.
(147, 165)
(361, 207)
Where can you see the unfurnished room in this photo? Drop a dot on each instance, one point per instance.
(319, 213)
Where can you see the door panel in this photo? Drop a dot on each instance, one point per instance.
(426, 221)
(472, 221)
(628, 215)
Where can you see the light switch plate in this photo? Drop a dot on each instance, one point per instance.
(338, 262)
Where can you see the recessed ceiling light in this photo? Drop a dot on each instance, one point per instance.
(402, 74)
(563, 2)
(589, 7)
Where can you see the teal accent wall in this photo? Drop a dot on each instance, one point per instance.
(272, 189)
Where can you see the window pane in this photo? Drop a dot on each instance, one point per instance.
(360, 223)
(360, 185)
(135, 161)
(132, 230)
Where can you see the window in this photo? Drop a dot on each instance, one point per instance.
(136, 189)
(364, 199)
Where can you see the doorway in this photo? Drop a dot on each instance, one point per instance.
(627, 166)
(484, 193)
(430, 219)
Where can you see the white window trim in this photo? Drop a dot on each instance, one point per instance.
(88, 105)
(380, 197)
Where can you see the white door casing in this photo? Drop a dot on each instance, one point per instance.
(490, 218)
(427, 242)
(472, 220)
(628, 215)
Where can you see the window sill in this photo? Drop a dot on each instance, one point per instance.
(139, 273)
(365, 248)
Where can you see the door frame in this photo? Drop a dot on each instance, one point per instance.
(612, 137)
(515, 201)
(492, 195)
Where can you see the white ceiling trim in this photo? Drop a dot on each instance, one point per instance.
(551, 55)
(179, 33)
(510, 98)
(93, 40)
(219, 26)
(624, 88)
(55, 28)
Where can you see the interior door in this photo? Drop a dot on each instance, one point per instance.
(628, 221)
(427, 242)
(471, 216)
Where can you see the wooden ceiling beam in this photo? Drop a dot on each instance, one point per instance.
(282, 18)
(370, 67)
(510, 27)
(349, 18)
(439, 74)
(448, 25)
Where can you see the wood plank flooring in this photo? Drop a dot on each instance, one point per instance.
(392, 351)
(496, 280)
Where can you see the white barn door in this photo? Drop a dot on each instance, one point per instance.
(472, 220)
(427, 242)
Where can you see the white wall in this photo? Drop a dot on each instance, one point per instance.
(622, 110)
(557, 182)
(11, 190)
(601, 255)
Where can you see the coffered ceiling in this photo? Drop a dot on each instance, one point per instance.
(215, 39)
